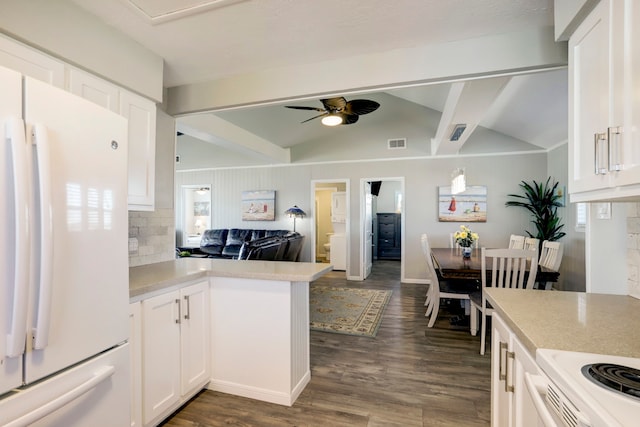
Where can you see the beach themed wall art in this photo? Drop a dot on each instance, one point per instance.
(259, 205)
(468, 206)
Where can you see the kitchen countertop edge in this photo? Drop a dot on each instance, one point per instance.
(152, 278)
(570, 321)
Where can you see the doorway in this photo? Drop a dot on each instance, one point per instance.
(195, 214)
(331, 223)
(382, 219)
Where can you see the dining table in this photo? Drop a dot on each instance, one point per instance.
(454, 266)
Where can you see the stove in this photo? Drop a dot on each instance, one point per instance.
(603, 389)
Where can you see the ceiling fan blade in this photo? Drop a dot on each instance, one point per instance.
(349, 119)
(361, 106)
(299, 107)
(315, 117)
(334, 104)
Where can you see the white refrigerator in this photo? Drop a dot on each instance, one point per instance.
(64, 356)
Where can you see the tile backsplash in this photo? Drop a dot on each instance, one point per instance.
(633, 249)
(152, 237)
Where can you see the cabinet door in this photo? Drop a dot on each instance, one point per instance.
(339, 207)
(590, 101)
(626, 82)
(135, 347)
(31, 62)
(160, 354)
(501, 396)
(142, 149)
(94, 89)
(524, 410)
(194, 336)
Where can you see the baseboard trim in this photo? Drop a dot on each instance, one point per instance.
(265, 395)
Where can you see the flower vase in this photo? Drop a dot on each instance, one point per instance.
(466, 252)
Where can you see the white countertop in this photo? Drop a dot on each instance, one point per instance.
(573, 321)
(153, 277)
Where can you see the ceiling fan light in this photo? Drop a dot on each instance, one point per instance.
(332, 120)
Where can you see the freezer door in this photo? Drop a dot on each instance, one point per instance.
(12, 305)
(79, 278)
(95, 393)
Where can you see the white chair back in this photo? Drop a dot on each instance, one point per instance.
(551, 255)
(516, 242)
(532, 244)
(431, 269)
(509, 268)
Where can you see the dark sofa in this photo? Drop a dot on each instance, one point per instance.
(228, 243)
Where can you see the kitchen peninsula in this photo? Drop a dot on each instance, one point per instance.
(252, 318)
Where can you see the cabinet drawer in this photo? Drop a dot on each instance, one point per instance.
(386, 218)
(387, 228)
(388, 252)
(386, 234)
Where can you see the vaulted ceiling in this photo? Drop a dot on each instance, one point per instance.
(203, 41)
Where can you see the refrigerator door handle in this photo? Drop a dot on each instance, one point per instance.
(14, 132)
(43, 320)
(41, 410)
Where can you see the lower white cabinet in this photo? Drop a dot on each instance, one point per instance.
(175, 349)
(135, 347)
(511, 404)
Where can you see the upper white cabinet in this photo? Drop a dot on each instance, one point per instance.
(31, 62)
(94, 89)
(604, 82)
(339, 206)
(141, 113)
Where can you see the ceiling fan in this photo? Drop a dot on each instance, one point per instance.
(339, 111)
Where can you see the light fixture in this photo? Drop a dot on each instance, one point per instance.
(332, 120)
(295, 212)
(458, 181)
(457, 131)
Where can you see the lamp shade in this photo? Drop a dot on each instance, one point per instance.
(295, 212)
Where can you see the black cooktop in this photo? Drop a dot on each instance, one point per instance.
(622, 379)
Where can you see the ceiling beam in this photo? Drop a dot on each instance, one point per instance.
(466, 106)
(213, 129)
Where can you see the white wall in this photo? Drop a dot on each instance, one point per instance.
(501, 175)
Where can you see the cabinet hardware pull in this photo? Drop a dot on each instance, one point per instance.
(614, 166)
(503, 349)
(188, 315)
(179, 310)
(509, 388)
(597, 137)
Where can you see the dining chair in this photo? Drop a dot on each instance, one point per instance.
(516, 241)
(532, 244)
(440, 288)
(550, 257)
(506, 268)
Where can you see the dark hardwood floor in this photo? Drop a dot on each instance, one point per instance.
(409, 375)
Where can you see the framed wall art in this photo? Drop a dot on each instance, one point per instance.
(468, 206)
(259, 205)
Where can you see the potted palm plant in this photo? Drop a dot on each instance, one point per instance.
(542, 201)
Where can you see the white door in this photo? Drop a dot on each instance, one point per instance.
(11, 242)
(79, 287)
(368, 231)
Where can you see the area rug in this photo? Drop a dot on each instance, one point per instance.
(347, 310)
